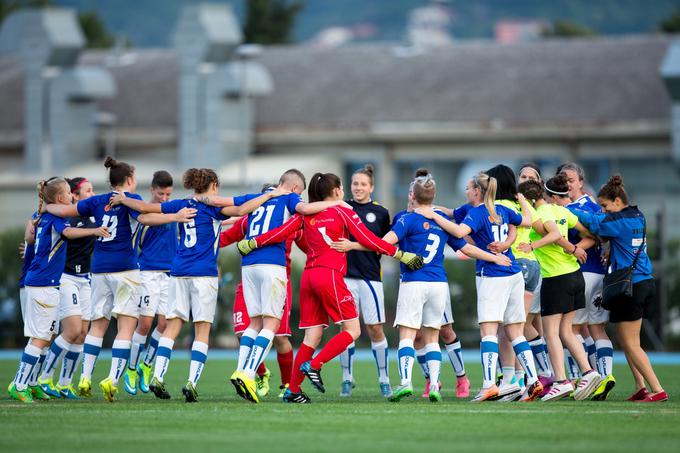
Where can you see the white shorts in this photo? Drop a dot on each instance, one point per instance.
(448, 314)
(535, 308)
(592, 314)
(501, 299)
(75, 297)
(22, 302)
(192, 298)
(42, 309)
(153, 294)
(265, 289)
(115, 294)
(422, 304)
(369, 299)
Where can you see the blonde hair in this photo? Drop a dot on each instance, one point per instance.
(423, 187)
(488, 185)
(48, 190)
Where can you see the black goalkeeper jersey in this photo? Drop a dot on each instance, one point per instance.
(366, 265)
(79, 251)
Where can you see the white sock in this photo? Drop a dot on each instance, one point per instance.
(119, 355)
(433, 356)
(247, 341)
(153, 347)
(508, 375)
(259, 351)
(572, 367)
(163, 357)
(346, 362)
(489, 349)
(136, 348)
(37, 368)
(69, 364)
(591, 350)
(91, 349)
(199, 354)
(540, 352)
(57, 350)
(407, 355)
(519, 378)
(526, 359)
(420, 355)
(605, 356)
(29, 359)
(455, 353)
(380, 354)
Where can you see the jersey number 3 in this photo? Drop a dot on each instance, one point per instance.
(431, 247)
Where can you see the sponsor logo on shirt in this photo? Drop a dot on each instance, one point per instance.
(426, 225)
(370, 217)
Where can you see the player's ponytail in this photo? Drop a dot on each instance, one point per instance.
(200, 179)
(321, 186)
(48, 190)
(489, 185)
(118, 171)
(423, 187)
(614, 189)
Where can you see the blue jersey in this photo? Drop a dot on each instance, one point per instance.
(484, 232)
(269, 216)
(593, 263)
(424, 237)
(117, 252)
(624, 229)
(157, 247)
(29, 253)
(50, 252)
(199, 239)
(461, 212)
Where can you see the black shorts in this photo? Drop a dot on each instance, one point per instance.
(637, 307)
(563, 294)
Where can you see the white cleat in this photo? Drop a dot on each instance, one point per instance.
(558, 391)
(589, 383)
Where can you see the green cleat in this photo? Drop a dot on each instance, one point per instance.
(190, 393)
(85, 387)
(606, 386)
(283, 390)
(157, 387)
(144, 375)
(48, 387)
(38, 393)
(262, 384)
(23, 396)
(435, 396)
(109, 389)
(401, 392)
(67, 391)
(130, 379)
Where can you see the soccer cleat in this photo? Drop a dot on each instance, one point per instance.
(291, 397)
(558, 390)
(462, 387)
(109, 389)
(574, 383)
(283, 389)
(48, 387)
(532, 392)
(190, 393)
(486, 394)
(262, 384)
(426, 392)
(385, 389)
(546, 382)
(588, 384)
(130, 379)
(236, 382)
(346, 389)
(157, 387)
(38, 393)
(245, 387)
(606, 386)
(144, 375)
(658, 397)
(85, 387)
(435, 396)
(639, 395)
(23, 396)
(313, 375)
(402, 392)
(508, 392)
(67, 391)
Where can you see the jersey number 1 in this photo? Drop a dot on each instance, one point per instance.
(110, 222)
(500, 232)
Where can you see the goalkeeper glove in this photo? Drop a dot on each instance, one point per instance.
(246, 246)
(411, 260)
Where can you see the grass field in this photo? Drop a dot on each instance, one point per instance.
(223, 422)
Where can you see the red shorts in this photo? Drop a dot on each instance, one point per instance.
(323, 295)
(242, 320)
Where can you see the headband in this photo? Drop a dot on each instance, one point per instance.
(554, 192)
(77, 187)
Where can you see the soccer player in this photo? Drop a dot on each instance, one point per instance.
(157, 247)
(193, 275)
(42, 280)
(625, 227)
(323, 292)
(500, 290)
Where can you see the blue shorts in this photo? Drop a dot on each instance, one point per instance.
(531, 271)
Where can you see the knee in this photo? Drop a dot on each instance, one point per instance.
(144, 326)
(162, 324)
(447, 334)
(375, 332)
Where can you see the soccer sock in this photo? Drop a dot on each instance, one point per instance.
(455, 353)
(540, 352)
(247, 341)
(303, 355)
(57, 349)
(605, 356)
(333, 348)
(119, 355)
(489, 350)
(380, 354)
(37, 369)
(91, 349)
(433, 356)
(572, 367)
(136, 349)
(199, 354)
(152, 348)
(285, 361)
(591, 350)
(420, 355)
(519, 377)
(508, 375)
(163, 357)
(346, 359)
(526, 359)
(258, 351)
(68, 366)
(261, 369)
(29, 359)
(407, 356)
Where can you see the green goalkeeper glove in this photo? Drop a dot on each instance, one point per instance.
(411, 260)
(246, 246)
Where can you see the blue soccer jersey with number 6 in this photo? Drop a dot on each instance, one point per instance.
(49, 252)
(117, 252)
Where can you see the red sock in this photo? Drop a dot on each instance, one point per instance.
(333, 348)
(285, 365)
(261, 369)
(304, 354)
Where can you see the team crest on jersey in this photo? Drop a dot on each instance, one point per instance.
(107, 208)
(370, 217)
(312, 222)
(426, 225)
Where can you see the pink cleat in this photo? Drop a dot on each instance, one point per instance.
(462, 387)
(426, 393)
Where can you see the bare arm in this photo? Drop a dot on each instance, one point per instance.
(77, 233)
(251, 205)
(184, 215)
(526, 211)
(475, 252)
(29, 232)
(445, 210)
(62, 210)
(553, 235)
(450, 227)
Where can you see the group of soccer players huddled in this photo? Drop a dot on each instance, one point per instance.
(542, 249)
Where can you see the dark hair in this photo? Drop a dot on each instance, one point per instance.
(161, 179)
(266, 186)
(532, 190)
(533, 166)
(75, 183)
(199, 179)
(367, 170)
(424, 187)
(614, 189)
(118, 171)
(506, 183)
(293, 172)
(557, 185)
(572, 166)
(321, 186)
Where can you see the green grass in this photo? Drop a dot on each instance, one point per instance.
(221, 421)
